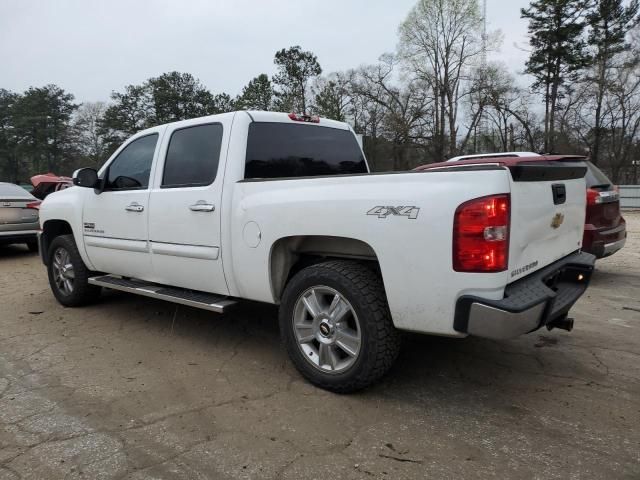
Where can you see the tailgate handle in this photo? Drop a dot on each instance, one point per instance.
(559, 193)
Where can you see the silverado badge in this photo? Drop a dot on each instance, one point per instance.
(557, 220)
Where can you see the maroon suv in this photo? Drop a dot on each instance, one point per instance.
(605, 230)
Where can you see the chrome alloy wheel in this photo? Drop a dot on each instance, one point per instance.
(327, 329)
(63, 273)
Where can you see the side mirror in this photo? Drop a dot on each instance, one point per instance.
(86, 177)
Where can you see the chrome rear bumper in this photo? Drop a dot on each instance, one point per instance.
(613, 247)
(542, 298)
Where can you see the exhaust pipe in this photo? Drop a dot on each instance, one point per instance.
(563, 323)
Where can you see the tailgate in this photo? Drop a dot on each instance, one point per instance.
(548, 201)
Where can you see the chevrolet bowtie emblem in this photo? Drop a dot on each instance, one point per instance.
(557, 220)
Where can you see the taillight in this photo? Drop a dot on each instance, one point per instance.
(34, 205)
(597, 197)
(481, 235)
(593, 197)
(301, 117)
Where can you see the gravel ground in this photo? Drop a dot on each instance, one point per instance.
(137, 388)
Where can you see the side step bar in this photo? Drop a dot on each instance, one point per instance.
(191, 298)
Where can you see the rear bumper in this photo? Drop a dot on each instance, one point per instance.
(603, 242)
(542, 298)
(18, 236)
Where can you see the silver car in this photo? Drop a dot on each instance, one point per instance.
(18, 216)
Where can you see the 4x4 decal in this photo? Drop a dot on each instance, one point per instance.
(384, 212)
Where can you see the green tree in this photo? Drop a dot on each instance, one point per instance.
(130, 112)
(9, 164)
(256, 95)
(178, 96)
(41, 118)
(296, 68)
(558, 52)
(168, 98)
(332, 98)
(221, 103)
(609, 23)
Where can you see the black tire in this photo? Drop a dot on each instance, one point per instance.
(380, 342)
(82, 292)
(32, 245)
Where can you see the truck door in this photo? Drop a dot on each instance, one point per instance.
(115, 221)
(185, 204)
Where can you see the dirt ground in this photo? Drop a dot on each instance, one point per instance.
(137, 388)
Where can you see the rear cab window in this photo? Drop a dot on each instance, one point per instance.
(282, 150)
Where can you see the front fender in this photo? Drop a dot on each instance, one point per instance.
(66, 205)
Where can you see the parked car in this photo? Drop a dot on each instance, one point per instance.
(18, 216)
(48, 183)
(605, 229)
(282, 209)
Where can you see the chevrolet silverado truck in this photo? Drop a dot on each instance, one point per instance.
(282, 208)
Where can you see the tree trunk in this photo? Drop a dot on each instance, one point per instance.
(547, 101)
(597, 128)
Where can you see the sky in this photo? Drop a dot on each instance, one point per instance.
(91, 48)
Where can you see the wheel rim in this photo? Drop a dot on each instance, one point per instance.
(63, 274)
(327, 329)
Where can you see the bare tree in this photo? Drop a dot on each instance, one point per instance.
(88, 140)
(440, 40)
(402, 116)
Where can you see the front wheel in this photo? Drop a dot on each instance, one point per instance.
(336, 326)
(68, 275)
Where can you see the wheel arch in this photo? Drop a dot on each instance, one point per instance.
(50, 230)
(291, 254)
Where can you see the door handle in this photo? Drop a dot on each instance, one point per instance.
(201, 206)
(134, 207)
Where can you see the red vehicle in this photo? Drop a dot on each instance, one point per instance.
(48, 183)
(605, 230)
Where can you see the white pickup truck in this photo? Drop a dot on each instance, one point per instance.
(282, 209)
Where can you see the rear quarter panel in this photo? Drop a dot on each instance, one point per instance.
(414, 254)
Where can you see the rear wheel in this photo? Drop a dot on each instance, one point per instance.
(336, 326)
(68, 275)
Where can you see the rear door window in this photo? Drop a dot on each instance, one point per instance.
(193, 156)
(280, 150)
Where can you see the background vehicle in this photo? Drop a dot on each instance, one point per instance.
(282, 209)
(18, 216)
(486, 156)
(605, 229)
(48, 183)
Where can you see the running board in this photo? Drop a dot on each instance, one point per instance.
(191, 298)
